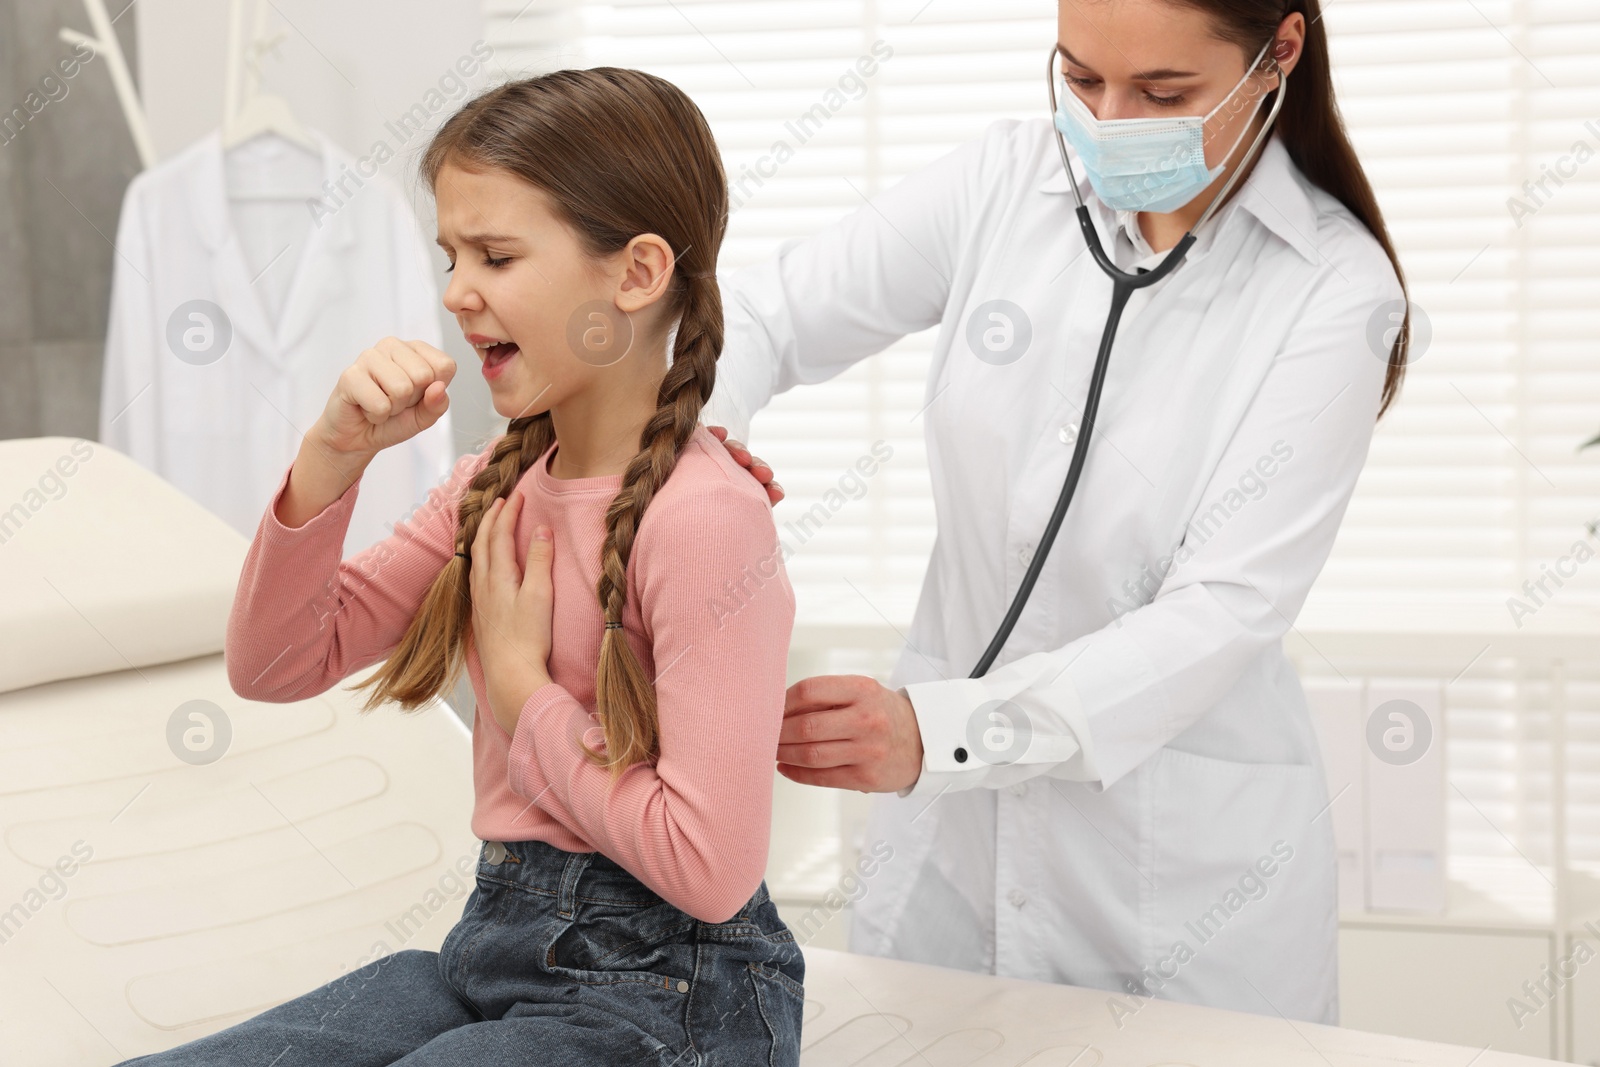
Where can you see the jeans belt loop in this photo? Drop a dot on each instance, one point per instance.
(567, 897)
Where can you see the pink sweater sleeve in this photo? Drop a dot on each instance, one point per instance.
(303, 619)
(719, 612)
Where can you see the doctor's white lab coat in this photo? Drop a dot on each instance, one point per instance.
(222, 428)
(1132, 798)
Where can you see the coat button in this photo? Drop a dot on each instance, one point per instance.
(961, 755)
(1018, 899)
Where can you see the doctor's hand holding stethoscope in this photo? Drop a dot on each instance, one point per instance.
(1094, 763)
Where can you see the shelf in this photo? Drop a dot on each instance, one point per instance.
(1467, 907)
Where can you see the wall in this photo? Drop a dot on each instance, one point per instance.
(62, 173)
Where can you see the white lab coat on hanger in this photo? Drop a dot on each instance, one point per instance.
(1161, 826)
(223, 429)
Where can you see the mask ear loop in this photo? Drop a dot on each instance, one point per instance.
(1271, 65)
(1262, 64)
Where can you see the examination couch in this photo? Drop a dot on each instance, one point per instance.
(174, 859)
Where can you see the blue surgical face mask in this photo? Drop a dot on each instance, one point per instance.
(1156, 164)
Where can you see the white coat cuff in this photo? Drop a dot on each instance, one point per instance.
(943, 709)
(955, 720)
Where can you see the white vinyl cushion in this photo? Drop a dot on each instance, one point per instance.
(146, 900)
(103, 565)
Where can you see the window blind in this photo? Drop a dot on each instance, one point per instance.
(785, 72)
(1479, 124)
(1474, 485)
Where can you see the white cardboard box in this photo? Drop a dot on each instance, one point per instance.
(1403, 736)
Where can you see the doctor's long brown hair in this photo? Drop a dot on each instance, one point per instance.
(1311, 128)
(619, 153)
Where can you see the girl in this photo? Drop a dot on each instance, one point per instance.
(610, 579)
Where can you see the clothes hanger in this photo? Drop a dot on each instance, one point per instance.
(261, 113)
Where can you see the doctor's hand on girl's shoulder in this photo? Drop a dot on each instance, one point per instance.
(511, 609)
(392, 392)
(849, 732)
(741, 455)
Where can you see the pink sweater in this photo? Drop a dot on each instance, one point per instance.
(709, 615)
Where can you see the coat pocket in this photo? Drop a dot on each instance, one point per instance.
(1243, 885)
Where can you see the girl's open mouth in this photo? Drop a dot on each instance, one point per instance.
(495, 355)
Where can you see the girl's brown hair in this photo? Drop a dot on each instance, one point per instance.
(1311, 128)
(618, 153)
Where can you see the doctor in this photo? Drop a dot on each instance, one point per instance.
(1132, 797)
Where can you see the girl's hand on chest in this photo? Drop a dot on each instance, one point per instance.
(511, 609)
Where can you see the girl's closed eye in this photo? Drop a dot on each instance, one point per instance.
(488, 261)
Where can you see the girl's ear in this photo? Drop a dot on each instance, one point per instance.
(648, 265)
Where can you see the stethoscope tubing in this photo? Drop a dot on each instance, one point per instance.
(1123, 285)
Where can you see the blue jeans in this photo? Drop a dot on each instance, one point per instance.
(560, 959)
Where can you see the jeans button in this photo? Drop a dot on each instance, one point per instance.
(496, 852)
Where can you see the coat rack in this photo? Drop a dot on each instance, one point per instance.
(246, 110)
(105, 43)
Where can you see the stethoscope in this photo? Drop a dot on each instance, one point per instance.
(1123, 285)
